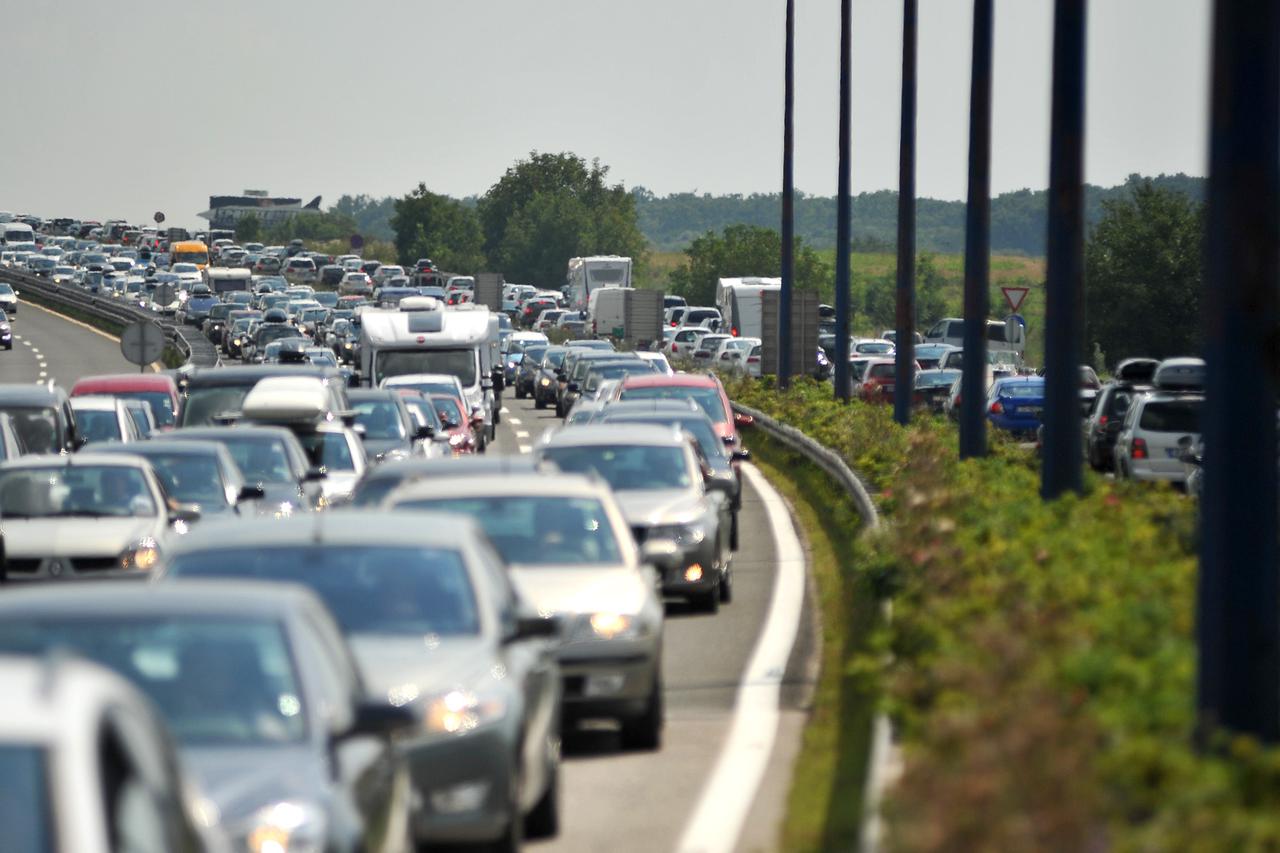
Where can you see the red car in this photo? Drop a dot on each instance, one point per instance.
(462, 435)
(157, 390)
(878, 380)
(703, 388)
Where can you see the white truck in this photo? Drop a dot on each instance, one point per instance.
(423, 335)
(740, 302)
(600, 271)
(1005, 335)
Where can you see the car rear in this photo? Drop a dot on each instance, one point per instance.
(1155, 444)
(1017, 405)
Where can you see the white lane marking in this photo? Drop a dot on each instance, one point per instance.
(524, 448)
(504, 411)
(731, 788)
(35, 349)
(43, 374)
(515, 421)
(521, 434)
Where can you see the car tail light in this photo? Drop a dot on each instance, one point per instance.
(734, 331)
(1139, 449)
(1102, 420)
(996, 408)
(753, 359)
(675, 347)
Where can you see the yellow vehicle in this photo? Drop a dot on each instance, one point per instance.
(189, 252)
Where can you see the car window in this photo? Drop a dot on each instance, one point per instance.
(626, 467)
(263, 460)
(1171, 416)
(26, 817)
(87, 491)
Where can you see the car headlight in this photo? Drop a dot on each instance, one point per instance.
(141, 556)
(460, 711)
(457, 440)
(684, 535)
(287, 827)
(607, 625)
(545, 382)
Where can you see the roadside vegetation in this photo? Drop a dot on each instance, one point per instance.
(1041, 656)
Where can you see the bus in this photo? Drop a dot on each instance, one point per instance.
(189, 252)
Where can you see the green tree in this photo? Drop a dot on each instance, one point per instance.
(428, 225)
(880, 301)
(1143, 275)
(248, 229)
(931, 302)
(552, 207)
(742, 250)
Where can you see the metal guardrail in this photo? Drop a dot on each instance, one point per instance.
(195, 348)
(824, 457)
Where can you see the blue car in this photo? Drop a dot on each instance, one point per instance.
(1016, 403)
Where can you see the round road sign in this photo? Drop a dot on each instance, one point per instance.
(357, 241)
(159, 217)
(142, 342)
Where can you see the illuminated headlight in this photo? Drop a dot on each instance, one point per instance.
(609, 626)
(545, 382)
(457, 440)
(460, 711)
(287, 827)
(684, 535)
(141, 556)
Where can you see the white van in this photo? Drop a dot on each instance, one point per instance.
(601, 271)
(606, 309)
(16, 232)
(1005, 335)
(740, 301)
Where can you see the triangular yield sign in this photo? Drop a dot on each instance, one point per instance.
(1014, 296)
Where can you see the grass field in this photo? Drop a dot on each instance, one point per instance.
(1006, 271)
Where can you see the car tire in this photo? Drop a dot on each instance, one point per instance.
(644, 733)
(519, 393)
(544, 820)
(726, 587)
(538, 402)
(733, 532)
(709, 602)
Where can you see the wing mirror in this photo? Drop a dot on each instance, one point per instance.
(314, 474)
(535, 628)
(251, 493)
(572, 388)
(380, 720)
(425, 431)
(741, 456)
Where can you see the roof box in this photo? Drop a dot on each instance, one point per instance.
(1180, 374)
(287, 399)
(1140, 371)
(419, 303)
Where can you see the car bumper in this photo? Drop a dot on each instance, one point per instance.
(462, 785)
(1145, 471)
(612, 679)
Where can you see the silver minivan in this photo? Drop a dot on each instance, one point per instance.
(1150, 444)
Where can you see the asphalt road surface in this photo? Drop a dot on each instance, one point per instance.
(619, 801)
(46, 346)
(613, 800)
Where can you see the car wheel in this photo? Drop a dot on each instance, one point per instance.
(733, 533)
(726, 587)
(645, 731)
(544, 820)
(538, 402)
(709, 602)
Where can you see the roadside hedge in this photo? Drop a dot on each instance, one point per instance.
(1041, 668)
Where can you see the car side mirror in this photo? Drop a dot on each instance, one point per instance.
(315, 473)
(742, 420)
(184, 514)
(741, 456)
(379, 719)
(251, 493)
(425, 431)
(534, 628)
(572, 388)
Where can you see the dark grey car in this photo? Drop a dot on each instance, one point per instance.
(259, 691)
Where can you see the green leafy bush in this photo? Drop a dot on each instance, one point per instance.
(1041, 655)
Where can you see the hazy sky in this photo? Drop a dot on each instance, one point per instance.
(120, 109)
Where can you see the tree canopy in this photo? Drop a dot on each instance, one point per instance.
(742, 250)
(429, 225)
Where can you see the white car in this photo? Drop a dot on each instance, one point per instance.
(1150, 444)
(684, 342)
(9, 296)
(660, 363)
(387, 271)
(85, 515)
(733, 353)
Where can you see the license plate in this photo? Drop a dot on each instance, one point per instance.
(1173, 452)
(888, 389)
(1037, 411)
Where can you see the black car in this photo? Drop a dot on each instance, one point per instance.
(42, 417)
(1102, 424)
(199, 304)
(390, 432)
(259, 690)
(545, 377)
(213, 392)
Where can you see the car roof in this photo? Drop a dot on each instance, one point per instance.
(613, 434)
(539, 485)
(125, 382)
(355, 527)
(683, 380)
(451, 466)
(83, 459)
(176, 447)
(237, 598)
(31, 395)
(216, 433)
(94, 403)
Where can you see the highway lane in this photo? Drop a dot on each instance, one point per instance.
(620, 801)
(47, 346)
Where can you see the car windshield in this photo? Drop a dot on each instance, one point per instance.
(1171, 416)
(380, 419)
(553, 358)
(262, 459)
(937, 380)
(695, 424)
(192, 258)
(192, 478)
(708, 399)
(873, 348)
(370, 589)
(93, 491)
(537, 530)
(205, 404)
(38, 428)
(98, 425)
(454, 362)
(328, 449)
(218, 681)
(25, 816)
(449, 412)
(626, 467)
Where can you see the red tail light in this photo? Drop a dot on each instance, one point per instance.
(1139, 449)
(1102, 420)
(734, 331)
(673, 324)
(675, 347)
(996, 408)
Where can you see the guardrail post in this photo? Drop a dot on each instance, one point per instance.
(843, 213)
(977, 243)
(788, 200)
(904, 342)
(1062, 457)
(1237, 625)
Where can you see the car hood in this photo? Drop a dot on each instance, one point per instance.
(70, 537)
(377, 446)
(241, 780)
(582, 589)
(657, 506)
(275, 494)
(393, 664)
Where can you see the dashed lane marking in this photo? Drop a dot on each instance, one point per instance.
(521, 434)
(524, 448)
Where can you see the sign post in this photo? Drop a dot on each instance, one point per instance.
(141, 343)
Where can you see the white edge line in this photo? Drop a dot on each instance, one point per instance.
(731, 788)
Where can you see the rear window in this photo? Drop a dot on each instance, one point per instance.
(25, 815)
(1171, 416)
(1022, 389)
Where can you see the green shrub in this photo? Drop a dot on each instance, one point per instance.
(1042, 655)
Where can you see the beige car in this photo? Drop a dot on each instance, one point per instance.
(571, 554)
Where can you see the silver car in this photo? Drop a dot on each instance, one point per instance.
(436, 627)
(1151, 441)
(570, 553)
(658, 481)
